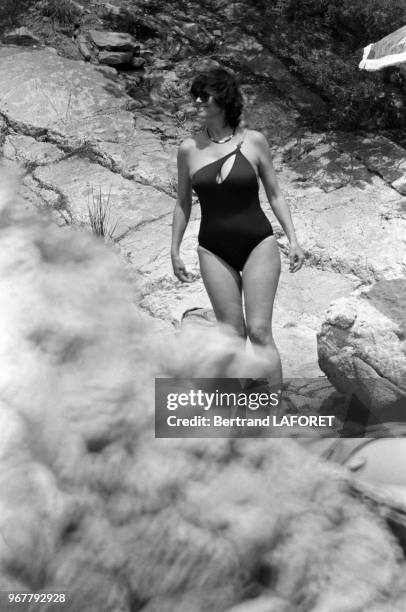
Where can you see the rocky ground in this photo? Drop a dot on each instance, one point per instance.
(130, 522)
(93, 504)
(83, 130)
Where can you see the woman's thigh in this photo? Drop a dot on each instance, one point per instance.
(223, 286)
(260, 278)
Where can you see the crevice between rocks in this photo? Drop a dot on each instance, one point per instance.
(141, 224)
(85, 149)
(62, 199)
(372, 171)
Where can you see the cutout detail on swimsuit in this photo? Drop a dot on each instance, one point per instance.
(220, 159)
(227, 166)
(219, 177)
(216, 161)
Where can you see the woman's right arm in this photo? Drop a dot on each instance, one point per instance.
(181, 213)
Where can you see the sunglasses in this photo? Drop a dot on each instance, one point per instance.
(203, 96)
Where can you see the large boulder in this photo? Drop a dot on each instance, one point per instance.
(362, 349)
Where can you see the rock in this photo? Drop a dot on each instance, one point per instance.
(112, 41)
(88, 111)
(80, 182)
(245, 50)
(147, 54)
(300, 304)
(111, 9)
(114, 59)
(27, 150)
(381, 156)
(161, 84)
(163, 64)
(198, 316)
(205, 64)
(362, 349)
(321, 161)
(138, 62)
(84, 47)
(21, 36)
(340, 229)
(79, 7)
(191, 30)
(400, 185)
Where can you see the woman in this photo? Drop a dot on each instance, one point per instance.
(238, 253)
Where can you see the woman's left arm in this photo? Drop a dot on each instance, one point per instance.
(276, 200)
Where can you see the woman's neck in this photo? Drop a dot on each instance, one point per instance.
(218, 131)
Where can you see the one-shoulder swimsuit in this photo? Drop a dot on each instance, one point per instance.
(232, 220)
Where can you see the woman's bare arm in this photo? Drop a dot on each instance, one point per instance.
(270, 182)
(181, 213)
(276, 199)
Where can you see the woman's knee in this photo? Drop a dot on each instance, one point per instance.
(260, 332)
(237, 326)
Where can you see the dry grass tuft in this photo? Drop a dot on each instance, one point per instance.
(63, 12)
(99, 215)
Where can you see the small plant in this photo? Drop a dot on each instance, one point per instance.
(64, 12)
(11, 11)
(99, 215)
(172, 187)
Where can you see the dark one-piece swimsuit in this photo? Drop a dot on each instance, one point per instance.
(232, 220)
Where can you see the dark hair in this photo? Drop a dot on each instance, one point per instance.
(226, 92)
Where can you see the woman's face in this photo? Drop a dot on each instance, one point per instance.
(206, 106)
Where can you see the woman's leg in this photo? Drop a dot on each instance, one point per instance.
(223, 286)
(260, 278)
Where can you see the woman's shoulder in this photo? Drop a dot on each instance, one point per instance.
(191, 142)
(255, 136)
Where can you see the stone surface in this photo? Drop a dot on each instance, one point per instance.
(111, 58)
(112, 41)
(381, 156)
(79, 106)
(400, 185)
(112, 504)
(138, 62)
(80, 182)
(121, 517)
(244, 50)
(362, 347)
(341, 230)
(21, 36)
(65, 97)
(300, 302)
(83, 46)
(320, 160)
(27, 150)
(342, 206)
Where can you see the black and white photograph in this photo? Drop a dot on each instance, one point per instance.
(203, 306)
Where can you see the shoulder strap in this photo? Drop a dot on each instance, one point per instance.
(242, 139)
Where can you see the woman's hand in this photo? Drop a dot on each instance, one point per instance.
(179, 269)
(296, 257)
